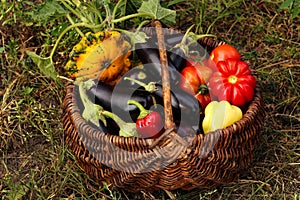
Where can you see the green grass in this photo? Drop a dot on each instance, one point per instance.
(36, 164)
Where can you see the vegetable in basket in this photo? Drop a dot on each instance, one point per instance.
(103, 55)
(150, 59)
(194, 79)
(233, 82)
(149, 124)
(185, 106)
(127, 129)
(116, 101)
(220, 115)
(223, 52)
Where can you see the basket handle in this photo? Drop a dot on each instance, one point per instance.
(169, 124)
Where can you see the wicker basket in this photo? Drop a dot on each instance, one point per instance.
(170, 163)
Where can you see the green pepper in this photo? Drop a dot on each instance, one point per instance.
(220, 114)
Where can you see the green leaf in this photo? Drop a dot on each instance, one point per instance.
(130, 7)
(136, 3)
(152, 7)
(91, 113)
(49, 10)
(2, 49)
(286, 4)
(295, 12)
(128, 130)
(136, 37)
(45, 65)
(91, 110)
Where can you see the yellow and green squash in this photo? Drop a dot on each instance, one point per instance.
(103, 55)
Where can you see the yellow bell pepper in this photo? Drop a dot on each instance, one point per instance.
(220, 114)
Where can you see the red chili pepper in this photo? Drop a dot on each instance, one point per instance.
(149, 124)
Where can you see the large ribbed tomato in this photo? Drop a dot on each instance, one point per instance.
(233, 82)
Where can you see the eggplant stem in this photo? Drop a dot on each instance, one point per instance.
(111, 115)
(126, 129)
(150, 87)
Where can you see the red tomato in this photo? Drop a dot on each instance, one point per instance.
(195, 77)
(224, 52)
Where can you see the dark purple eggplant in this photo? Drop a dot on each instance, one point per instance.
(181, 100)
(185, 106)
(176, 55)
(115, 100)
(140, 73)
(177, 58)
(174, 39)
(150, 59)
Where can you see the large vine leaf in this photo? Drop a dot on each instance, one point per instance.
(153, 7)
(49, 10)
(132, 6)
(136, 3)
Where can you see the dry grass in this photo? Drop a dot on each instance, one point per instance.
(36, 164)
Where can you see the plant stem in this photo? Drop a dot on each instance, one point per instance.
(150, 87)
(131, 16)
(183, 41)
(126, 129)
(143, 111)
(111, 115)
(142, 24)
(72, 22)
(114, 13)
(204, 35)
(108, 14)
(73, 11)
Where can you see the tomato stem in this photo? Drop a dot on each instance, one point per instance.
(202, 89)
